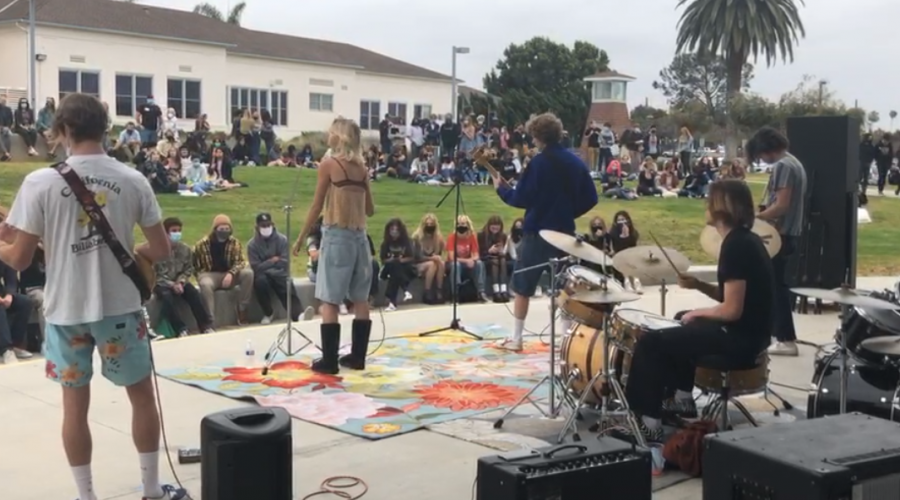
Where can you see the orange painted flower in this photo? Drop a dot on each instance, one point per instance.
(285, 375)
(81, 341)
(111, 350)
(71, 374)
(468, 395)
(380, 429)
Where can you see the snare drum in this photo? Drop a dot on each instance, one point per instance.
(626, 329)
(582, 279)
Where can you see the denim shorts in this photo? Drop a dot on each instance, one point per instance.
(532, 251)
(121, 341)
(345, 266)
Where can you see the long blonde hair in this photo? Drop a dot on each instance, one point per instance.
(419, 233)
(344, 140)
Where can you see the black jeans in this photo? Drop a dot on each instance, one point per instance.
(14, 322)
(169, 307)
(649, 191)
(783, 312)
(29, 136)
(666, 360)
(398, 276)
(882, 174)
(264, 285)
(603, 159)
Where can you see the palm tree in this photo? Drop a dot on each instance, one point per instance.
(234, 15)
(738, 29)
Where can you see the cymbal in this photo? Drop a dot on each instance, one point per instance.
(604, 297)
(575, 247)
(649, 263)
(845, 296)
(887, 346)
(711, 240)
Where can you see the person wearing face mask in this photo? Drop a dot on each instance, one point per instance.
(173, 275)
(45, 123)
(428, 245)
(397, 262)
(219, 265)
(149, 118)
(171, 123)
(462, 246)
(598, 237)
(622, 237)
(169, 143)
(268, 256)
(24, 124)
(195, 178)
(492, 243)
(7, 121)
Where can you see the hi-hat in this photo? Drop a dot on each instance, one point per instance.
(575, 247)
(604, 297)
(648, 263)
(845, 296)
(886, 346)
(711, 240)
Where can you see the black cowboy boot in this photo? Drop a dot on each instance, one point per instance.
(356, 360)
(331, 342)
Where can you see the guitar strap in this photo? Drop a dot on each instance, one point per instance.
(89, 204)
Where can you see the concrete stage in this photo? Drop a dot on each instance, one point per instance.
(421, 465)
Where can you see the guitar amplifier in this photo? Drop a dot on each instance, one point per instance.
(846, 457)
(595, 469)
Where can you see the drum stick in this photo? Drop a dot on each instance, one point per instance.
(666, 255)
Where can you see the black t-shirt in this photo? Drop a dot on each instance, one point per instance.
(645, 181)
(150, 115)
(593, 137)
(383, 129)
(743, 257)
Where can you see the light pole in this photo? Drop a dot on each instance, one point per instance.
(455, 90)
(32, 54)
(822, 84)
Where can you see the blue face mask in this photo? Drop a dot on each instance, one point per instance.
(151, 101)
(175, 237)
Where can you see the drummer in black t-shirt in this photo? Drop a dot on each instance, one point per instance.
(738, 328)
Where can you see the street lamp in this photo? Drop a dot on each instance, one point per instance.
(455, 96)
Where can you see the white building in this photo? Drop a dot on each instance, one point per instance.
(123, 52)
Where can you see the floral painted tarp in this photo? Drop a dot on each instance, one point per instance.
(409, 382)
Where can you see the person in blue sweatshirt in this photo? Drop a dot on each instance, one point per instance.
(554, 190)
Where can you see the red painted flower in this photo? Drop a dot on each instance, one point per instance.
(142, 330)
(285, 375)
(50, 370)
(468, 395)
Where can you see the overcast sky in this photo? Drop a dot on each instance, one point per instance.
(847, 43)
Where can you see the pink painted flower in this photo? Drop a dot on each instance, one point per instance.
(333, 409)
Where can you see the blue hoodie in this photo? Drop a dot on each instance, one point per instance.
(555, 189)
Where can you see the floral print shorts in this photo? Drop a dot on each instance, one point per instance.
(121, 341)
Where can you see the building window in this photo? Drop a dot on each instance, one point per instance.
(73, 81)
(618, 91)
(184, 97)
(422, 111)
(369, 115)
(609, 91)
(132, 91)
(275, 101)
(397, 110)
(321, 102)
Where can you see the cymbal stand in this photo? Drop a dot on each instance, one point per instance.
(611, 390)
(553, 378)
(844, 370)
(663, 291)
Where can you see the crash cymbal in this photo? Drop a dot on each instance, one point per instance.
(886, 346)
(604, 297)
(649, 263)
(711, 240)
(845, 296)
(576, 247)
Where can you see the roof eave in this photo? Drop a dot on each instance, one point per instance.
(123, 33)
(617, 78)
(446, 79)
(292, 60)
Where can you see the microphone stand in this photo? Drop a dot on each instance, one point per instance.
(284, 341)
(454, 322)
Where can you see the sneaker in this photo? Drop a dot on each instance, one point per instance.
(407, 296)
(510, 344)
(538, 293)
(343, 309)
(627, 286)
(309, 313)
(784, 349)
(22, 353)
(266, 320)
(638, 289)
(208, 330)
(623, 431)
(170, 493)
(9, 357)
(680, 407)
(390, 307)
(183, 333)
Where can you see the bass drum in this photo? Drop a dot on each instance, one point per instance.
(865, 323)
(582, 358)
(871, 390)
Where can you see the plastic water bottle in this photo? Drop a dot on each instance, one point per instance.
(249, 355)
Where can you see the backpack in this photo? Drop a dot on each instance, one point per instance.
(685, 448)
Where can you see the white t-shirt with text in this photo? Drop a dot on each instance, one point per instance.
(85, 282)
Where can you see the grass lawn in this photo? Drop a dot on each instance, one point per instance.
(676, 222)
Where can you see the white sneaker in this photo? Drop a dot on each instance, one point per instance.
(266, 320)
(637, 287)
(510, 344)
(22, 353)
(407, 296)
(309, 313)
(343, 309)
(784, 349)
(9, 357)
(538, 293)
(390, 307)
(627, 286)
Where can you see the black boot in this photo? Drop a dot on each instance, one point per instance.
(331, 342)
(356, 360)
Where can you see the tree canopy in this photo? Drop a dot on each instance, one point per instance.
(541, 75)
(698, 78)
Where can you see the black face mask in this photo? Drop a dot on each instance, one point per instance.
(223, 235)
(430, 229)
(596, 228)
(462, 229)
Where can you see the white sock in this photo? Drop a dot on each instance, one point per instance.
(503, 288)
(518, 329)
(683, 395)
(84, 481)
(150, 474)
(496, 288)
(652, 423)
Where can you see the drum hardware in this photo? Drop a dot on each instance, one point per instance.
(872, 389)
(574, 246)
(578, 279)
(645, 263)
(555, 381)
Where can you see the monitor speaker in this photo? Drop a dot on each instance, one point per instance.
(246, 453)
(828, 147)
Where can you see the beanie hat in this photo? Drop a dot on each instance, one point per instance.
(221, 220)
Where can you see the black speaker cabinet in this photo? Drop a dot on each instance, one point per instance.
(247, 454)
(828, 147)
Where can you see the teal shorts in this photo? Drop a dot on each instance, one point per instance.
(121, 342)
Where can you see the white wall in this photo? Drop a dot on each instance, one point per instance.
(13, 57)
(387, 89)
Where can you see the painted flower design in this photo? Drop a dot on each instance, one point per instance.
(382, 375)
(489, 368)
(112, 350)
(50, 370)
(82, 341)
(333, 409)
(284, 375)
(71, 374)
(443, 339)
(142, 329)
(380, 429)
(468, 395)
(528, 347)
